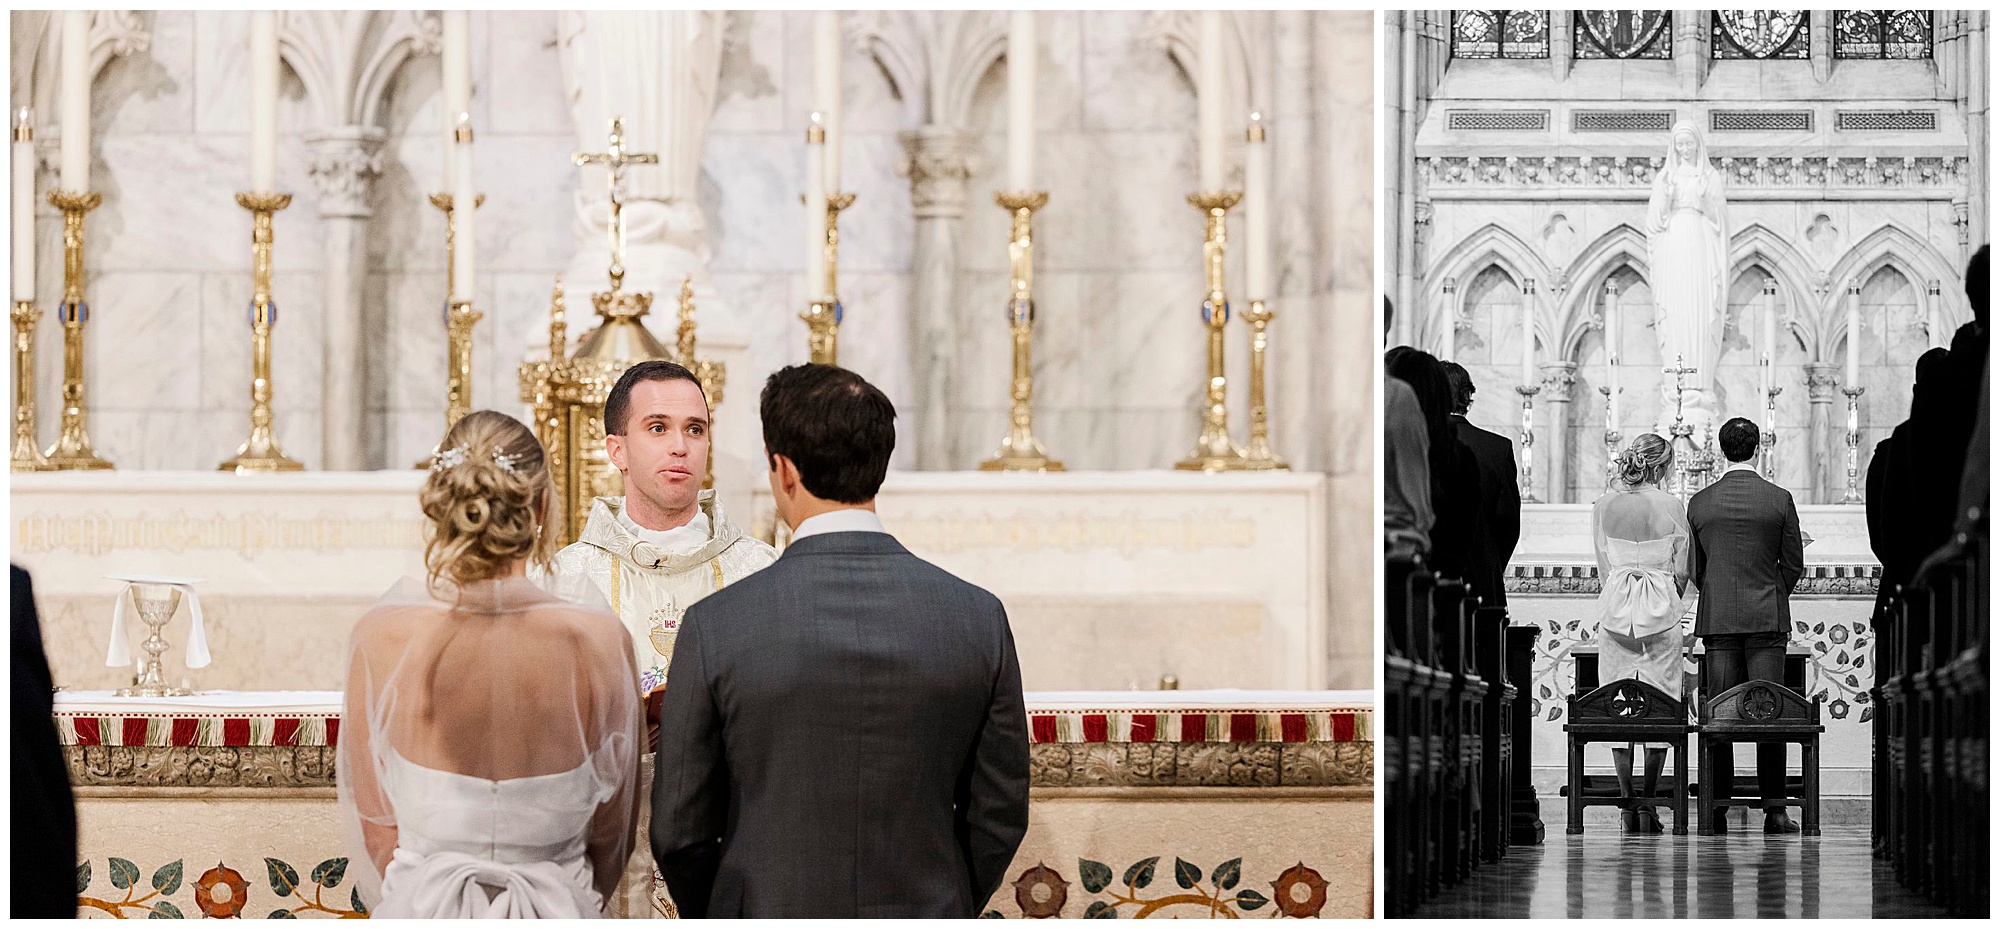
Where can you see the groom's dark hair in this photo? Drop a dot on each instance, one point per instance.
(834, 425)
(1738, 438)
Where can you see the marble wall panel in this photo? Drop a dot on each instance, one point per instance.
(748, 97)
(1129, 82)
(530, 87)
(146, 341)
(150, 93)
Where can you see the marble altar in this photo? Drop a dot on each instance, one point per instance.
(1112, 581)
(1263, 802)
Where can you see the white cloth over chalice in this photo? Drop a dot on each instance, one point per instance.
(120, 653)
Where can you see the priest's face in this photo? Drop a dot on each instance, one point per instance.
(663, 453)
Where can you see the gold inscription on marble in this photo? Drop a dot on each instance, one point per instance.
(1126, 533)
(247, 534)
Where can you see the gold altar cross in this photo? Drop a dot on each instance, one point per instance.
(614, 160)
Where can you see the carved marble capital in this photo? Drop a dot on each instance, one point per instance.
(345, 163)
(938, 162)
(1822, 381)
(1558, 380)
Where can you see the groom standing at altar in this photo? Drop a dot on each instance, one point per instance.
(1748, 558)
(843, 734)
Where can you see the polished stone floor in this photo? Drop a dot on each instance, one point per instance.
(1745, 874)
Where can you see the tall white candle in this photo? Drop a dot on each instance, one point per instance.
(1022, 49)
(1770, 341)
(816, 210)
(457, 83)
(263, 101)
(1208, 101)
(464, 201)
(826, 89)
(24, 205)
(1611, 353)
(75, 66)
(1256, 212)
(1528, 335)
(1448, 345)
(1853, 336)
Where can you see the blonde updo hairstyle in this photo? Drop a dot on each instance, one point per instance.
(1646, 461)
(483, 515)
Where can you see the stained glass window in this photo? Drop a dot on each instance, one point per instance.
(1500, 34)
(1882, 34)
(1624, 34)
(1760, 34)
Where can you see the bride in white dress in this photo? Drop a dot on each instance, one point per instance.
(1645, 562)
(489, 752)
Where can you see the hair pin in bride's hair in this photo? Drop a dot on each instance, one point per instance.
(505, 461)
(450, 457)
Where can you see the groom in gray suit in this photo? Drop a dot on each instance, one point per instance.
(842, 733)
(1748, 557)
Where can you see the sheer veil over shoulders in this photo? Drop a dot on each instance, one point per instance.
(488, 757)
(1645, 560)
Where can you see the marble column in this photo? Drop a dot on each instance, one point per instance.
(938, 163)
(1825, 468)
(1558, 388)
(345, 163)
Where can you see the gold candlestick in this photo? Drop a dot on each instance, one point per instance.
(72, 451)
(459, 319)
(260, 453)
(712, 375)
(1215, 450)
(27, 455)
(824, 315)
(1258, 456)
(458, 322)
(1020, 450)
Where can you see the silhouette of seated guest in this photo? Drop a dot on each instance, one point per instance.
(1908, 515)
(1457, 535)
(1499, 489)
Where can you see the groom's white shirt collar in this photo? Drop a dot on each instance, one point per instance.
(1749, 465)
(839, 521)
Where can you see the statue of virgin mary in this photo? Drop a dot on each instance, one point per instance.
(1687, 230)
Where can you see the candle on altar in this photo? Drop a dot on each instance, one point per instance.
(1022, 49)
(1770, 339)
(1208, 100)
(24, 205)
(464, 199)
(826, 90)
(1853, 336)
(1528, 335)
(76, 101)
(816, 210)
(457, 61)
(263, 101)
(1256, 212)
(1611, 353)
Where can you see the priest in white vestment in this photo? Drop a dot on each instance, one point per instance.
(664, 545)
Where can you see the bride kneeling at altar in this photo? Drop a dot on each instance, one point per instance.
(489, 756)
(1645, 562)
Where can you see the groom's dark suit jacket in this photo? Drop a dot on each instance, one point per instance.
(1748, 556)
(842, 735)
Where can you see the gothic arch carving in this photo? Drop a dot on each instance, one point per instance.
(347, 59)
(1756, 246)
(934, 60)
(1488, 246)
(1583, 281)
(37, 47)
(1917, 260)
(1180, 32)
